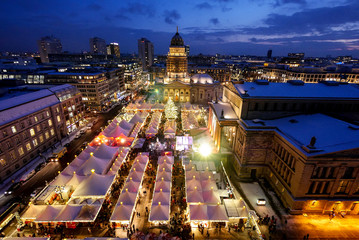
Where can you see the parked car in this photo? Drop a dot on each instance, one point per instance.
(12, 188)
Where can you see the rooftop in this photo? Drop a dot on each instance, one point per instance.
(228, 112)
(332, 135)
(265, 89)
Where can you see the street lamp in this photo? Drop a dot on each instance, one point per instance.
(205, 149)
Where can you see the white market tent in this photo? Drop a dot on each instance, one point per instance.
(192, 174)
(94, 186)
(99, 165)
(211, 197)
(166, 159)
(122, 213)
(105, 152)
(88, 213)
(162, 197)
(116, 132)
(164, 185)
(69, 213)
(165, 176)
(127, 198)
(166, 166)
(135, 176)
(61, 179)
(217, 213)
(209, 185)
(49, 213)
(151, 131)
(76, 180)
(139, 166)
(195, 196)
(126, 125)
(132, 186)
(159, 213)
(137, 119)
(33, 211)
(198, 213)
(138, 143)
(193, 185)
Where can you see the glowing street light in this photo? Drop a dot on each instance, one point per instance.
(205, 149)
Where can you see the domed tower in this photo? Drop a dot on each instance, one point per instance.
(177, 61)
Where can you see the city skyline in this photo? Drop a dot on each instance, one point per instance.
(235, 27)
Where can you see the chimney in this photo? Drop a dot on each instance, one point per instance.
(312, 142)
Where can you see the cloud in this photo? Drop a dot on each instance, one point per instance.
(279, 3)
(137, 8)
(94, 7)
(171, 16)
(204, 5)
(214, 21)
(226, 9)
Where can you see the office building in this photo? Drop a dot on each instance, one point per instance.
(48, 45)
(145, 53)
(98, 46)
(113, 49)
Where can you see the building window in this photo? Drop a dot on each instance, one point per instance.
(8, 144)
(32, 132)
(50, 122)
(47, 135)
(12, 155)
(3, 162)
(47, 113)
(52, 131)
(21, 151)
(35, 118)
(13, 129)
(28, 146)
(4, 133)
(24, 135)
(41, 138)
(58, 119)
(34, 142)
(38, 128)
(57, 110)
(17, 140)
(342, 186)
(22, 125)
(29, 121)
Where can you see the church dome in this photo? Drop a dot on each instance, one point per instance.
(177, 40)
(202, 79)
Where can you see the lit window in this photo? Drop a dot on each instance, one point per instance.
(47, 135)
(32, 132)
(57, 109)
(28, 146)
(52, 131)
(47, 113)
(38, 128)
(41, 138)
(21, 151)
(35, 118)
(13, 129)
(58, 119)
(34, 142)
(50, 122)
(2, 162)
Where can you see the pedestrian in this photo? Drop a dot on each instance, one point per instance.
(307, 235)
(207, 233)
(192, 235)
(229, 229)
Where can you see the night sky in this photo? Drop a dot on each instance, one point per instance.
(318, 28)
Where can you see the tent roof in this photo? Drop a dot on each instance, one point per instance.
(61, 179)
(95, 185)
(137, 119)
(167, 176)
(99, 164)
(160, 213)
(151, 130)
(127, 198)
(195, 196)
(166, 159)
(198, 213)
(163, 197)
(69, 213)
(211, 197)
(139, 166)
(208, 185)
(192, 174)
(78, 161)
(105, 152)
(217, 213)
(164, 185)
(166, 166)
(193, 184)
(131, 186)
(88, 213)
(49, 213)
(138, 143)
(76, 180)
(33, 211)
(126, 125)
(116, 132)
(135, 176)
(122, 213)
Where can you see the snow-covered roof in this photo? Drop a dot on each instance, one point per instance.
(332, 135)
(288, 90)
(228, 112)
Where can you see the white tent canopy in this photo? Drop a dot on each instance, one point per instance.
(217, 213)
(94, 186)
(127, 198)
(105, 152)
(33, 211)
(166, 159)
(159, 212)
(162, 197)
(164, 176)
(198, 213)
(69, 213)
(164, 185)
(99, 165)
(122, 213)
(195, 196)
(88, 213)
(49, 213)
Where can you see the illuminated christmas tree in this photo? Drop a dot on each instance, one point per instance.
(170, 109)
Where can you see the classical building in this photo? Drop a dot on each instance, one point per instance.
(200, 88)
(33, 118)
(290, 134)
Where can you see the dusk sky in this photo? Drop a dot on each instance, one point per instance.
(236, 27)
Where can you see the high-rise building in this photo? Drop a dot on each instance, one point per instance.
(145, 53)
(269, 54)
(113, 49)
(48, 45)
(98, 45)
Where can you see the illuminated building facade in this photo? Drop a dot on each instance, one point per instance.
(48, 45)
(283, 132)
